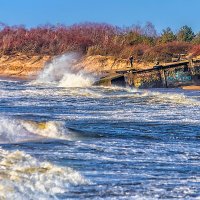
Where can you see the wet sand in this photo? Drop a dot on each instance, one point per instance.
(191, 87)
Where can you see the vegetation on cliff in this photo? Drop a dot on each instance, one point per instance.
(144, 43)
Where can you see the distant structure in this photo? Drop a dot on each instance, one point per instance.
(169, 75)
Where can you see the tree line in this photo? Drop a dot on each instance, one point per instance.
(143, 42)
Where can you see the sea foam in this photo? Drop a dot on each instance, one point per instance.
(16, 130)
(24, 177)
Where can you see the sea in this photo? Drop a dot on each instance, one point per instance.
(62, 138)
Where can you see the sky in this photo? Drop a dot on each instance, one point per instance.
(162, 13)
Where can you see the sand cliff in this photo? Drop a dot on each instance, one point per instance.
(27, 67)
(21, 66)
(101, 64)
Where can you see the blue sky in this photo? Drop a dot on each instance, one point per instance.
(162, 13)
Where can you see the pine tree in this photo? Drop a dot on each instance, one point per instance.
(185, 34)
(167, 36)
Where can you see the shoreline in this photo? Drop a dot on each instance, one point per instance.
(23, 67)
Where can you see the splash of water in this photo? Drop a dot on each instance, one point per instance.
(75, 80)
(63, 73)
(25, 177)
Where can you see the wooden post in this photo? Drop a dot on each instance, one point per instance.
(164, 79)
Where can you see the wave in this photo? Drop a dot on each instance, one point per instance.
(152, 96)
(15, 131)
(61, 72)
(50, 129)
(11, 131)
(171, 97)
(25, 177)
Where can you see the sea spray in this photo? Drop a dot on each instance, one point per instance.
(62, 72)
(75, 80)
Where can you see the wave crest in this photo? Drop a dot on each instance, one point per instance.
(14, 131)
(25, 177)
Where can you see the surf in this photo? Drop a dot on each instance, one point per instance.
(25, 177)
(13, 130)
(62, 72)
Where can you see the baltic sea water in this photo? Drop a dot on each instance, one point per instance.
(98, 142)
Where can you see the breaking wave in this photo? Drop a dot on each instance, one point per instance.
(62, 72)
(25, 177)
(171, 97)
(14, 130)
(11, 131)
(154, 96)
(49, 129)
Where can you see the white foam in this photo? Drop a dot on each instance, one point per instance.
(162, 97)
(14, 130)
(24, 177)
(75, 80)
(49, 129)
(63, 73)
(11, 131)
(173, 97)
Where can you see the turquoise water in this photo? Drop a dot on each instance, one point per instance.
(98, 143)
